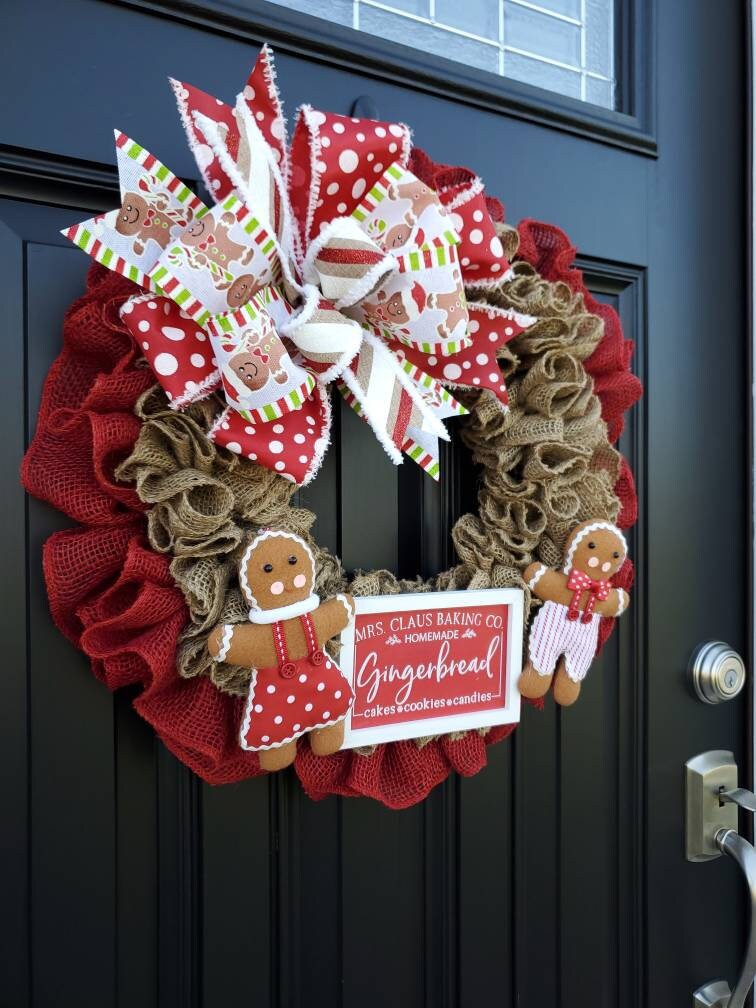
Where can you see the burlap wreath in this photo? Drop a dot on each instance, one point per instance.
(546, 466)
(110, 454)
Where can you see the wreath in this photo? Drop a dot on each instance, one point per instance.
(466, 317)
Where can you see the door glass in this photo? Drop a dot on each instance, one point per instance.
(565, 46)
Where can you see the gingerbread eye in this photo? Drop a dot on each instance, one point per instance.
(267, 568)
(591, 545)
(616, 555)
(292, 560)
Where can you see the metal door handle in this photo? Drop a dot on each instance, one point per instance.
(739, 796)
(718, 994)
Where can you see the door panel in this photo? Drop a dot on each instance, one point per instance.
(554, 877)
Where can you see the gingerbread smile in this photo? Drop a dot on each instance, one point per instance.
(130, 214)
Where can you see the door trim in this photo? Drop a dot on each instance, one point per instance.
(751, 205)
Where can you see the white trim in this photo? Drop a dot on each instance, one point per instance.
(284, 612)
(313, 128)
(347, 605)
(541, 570)
(228, 633)
(593, 527)
(324, 438)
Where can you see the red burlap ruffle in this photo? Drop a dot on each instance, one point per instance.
(110, 594)
(114, 598)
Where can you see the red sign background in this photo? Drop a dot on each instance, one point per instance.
(428, 663)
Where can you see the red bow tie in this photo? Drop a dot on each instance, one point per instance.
(577, 582)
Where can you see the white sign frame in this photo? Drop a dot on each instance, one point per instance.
(512, 598)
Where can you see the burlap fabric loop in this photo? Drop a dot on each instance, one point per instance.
(545, 465)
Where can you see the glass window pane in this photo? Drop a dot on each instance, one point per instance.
(545, 75)
(479, 17)
(599, 37)
(421, 7)
(599, 92)
(541, 34)
(566, 46)
(429, 38)
(339, 11)
(570, 8)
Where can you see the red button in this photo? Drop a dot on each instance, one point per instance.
(288, 669)
(317, 657)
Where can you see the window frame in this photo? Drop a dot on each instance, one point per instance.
(631, 126)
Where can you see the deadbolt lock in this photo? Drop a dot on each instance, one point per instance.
(718, 672)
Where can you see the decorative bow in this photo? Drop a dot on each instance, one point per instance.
(577, 583)
(323, 261)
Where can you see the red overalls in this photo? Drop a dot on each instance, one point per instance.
(293, 697)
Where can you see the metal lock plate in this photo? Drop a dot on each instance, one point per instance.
(718, 672)
(713, 995)
(706, 776)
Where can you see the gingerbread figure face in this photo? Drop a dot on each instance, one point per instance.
(395, 310)
(277, 570)
(240, 291)
(388, 309)
(597, 552)
(196, 232)
(419, 195)
(251, 370)
(132, 215)
(397, 236)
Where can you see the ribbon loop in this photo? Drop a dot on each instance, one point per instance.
(346, 263)
(324, 336)
(259, 377)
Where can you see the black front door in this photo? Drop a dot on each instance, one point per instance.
(557, 875)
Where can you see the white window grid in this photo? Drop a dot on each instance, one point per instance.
(500, 43)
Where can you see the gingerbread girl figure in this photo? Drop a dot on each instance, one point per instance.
(564, 634)
(295, 687)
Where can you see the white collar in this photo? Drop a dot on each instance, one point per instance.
(284, 612)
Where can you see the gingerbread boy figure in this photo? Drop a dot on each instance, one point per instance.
(564, 634)
(296, 687)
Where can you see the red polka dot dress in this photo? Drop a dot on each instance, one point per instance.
(294, 697)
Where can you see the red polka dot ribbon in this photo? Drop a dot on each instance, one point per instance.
(323, 260)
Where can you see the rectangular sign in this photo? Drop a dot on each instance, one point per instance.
(428, 664)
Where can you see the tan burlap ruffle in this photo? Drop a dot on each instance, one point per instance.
(546, 465)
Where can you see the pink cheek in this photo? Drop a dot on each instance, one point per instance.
(606, 566)
(300, 581)
(593, 562)
(276, 588)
